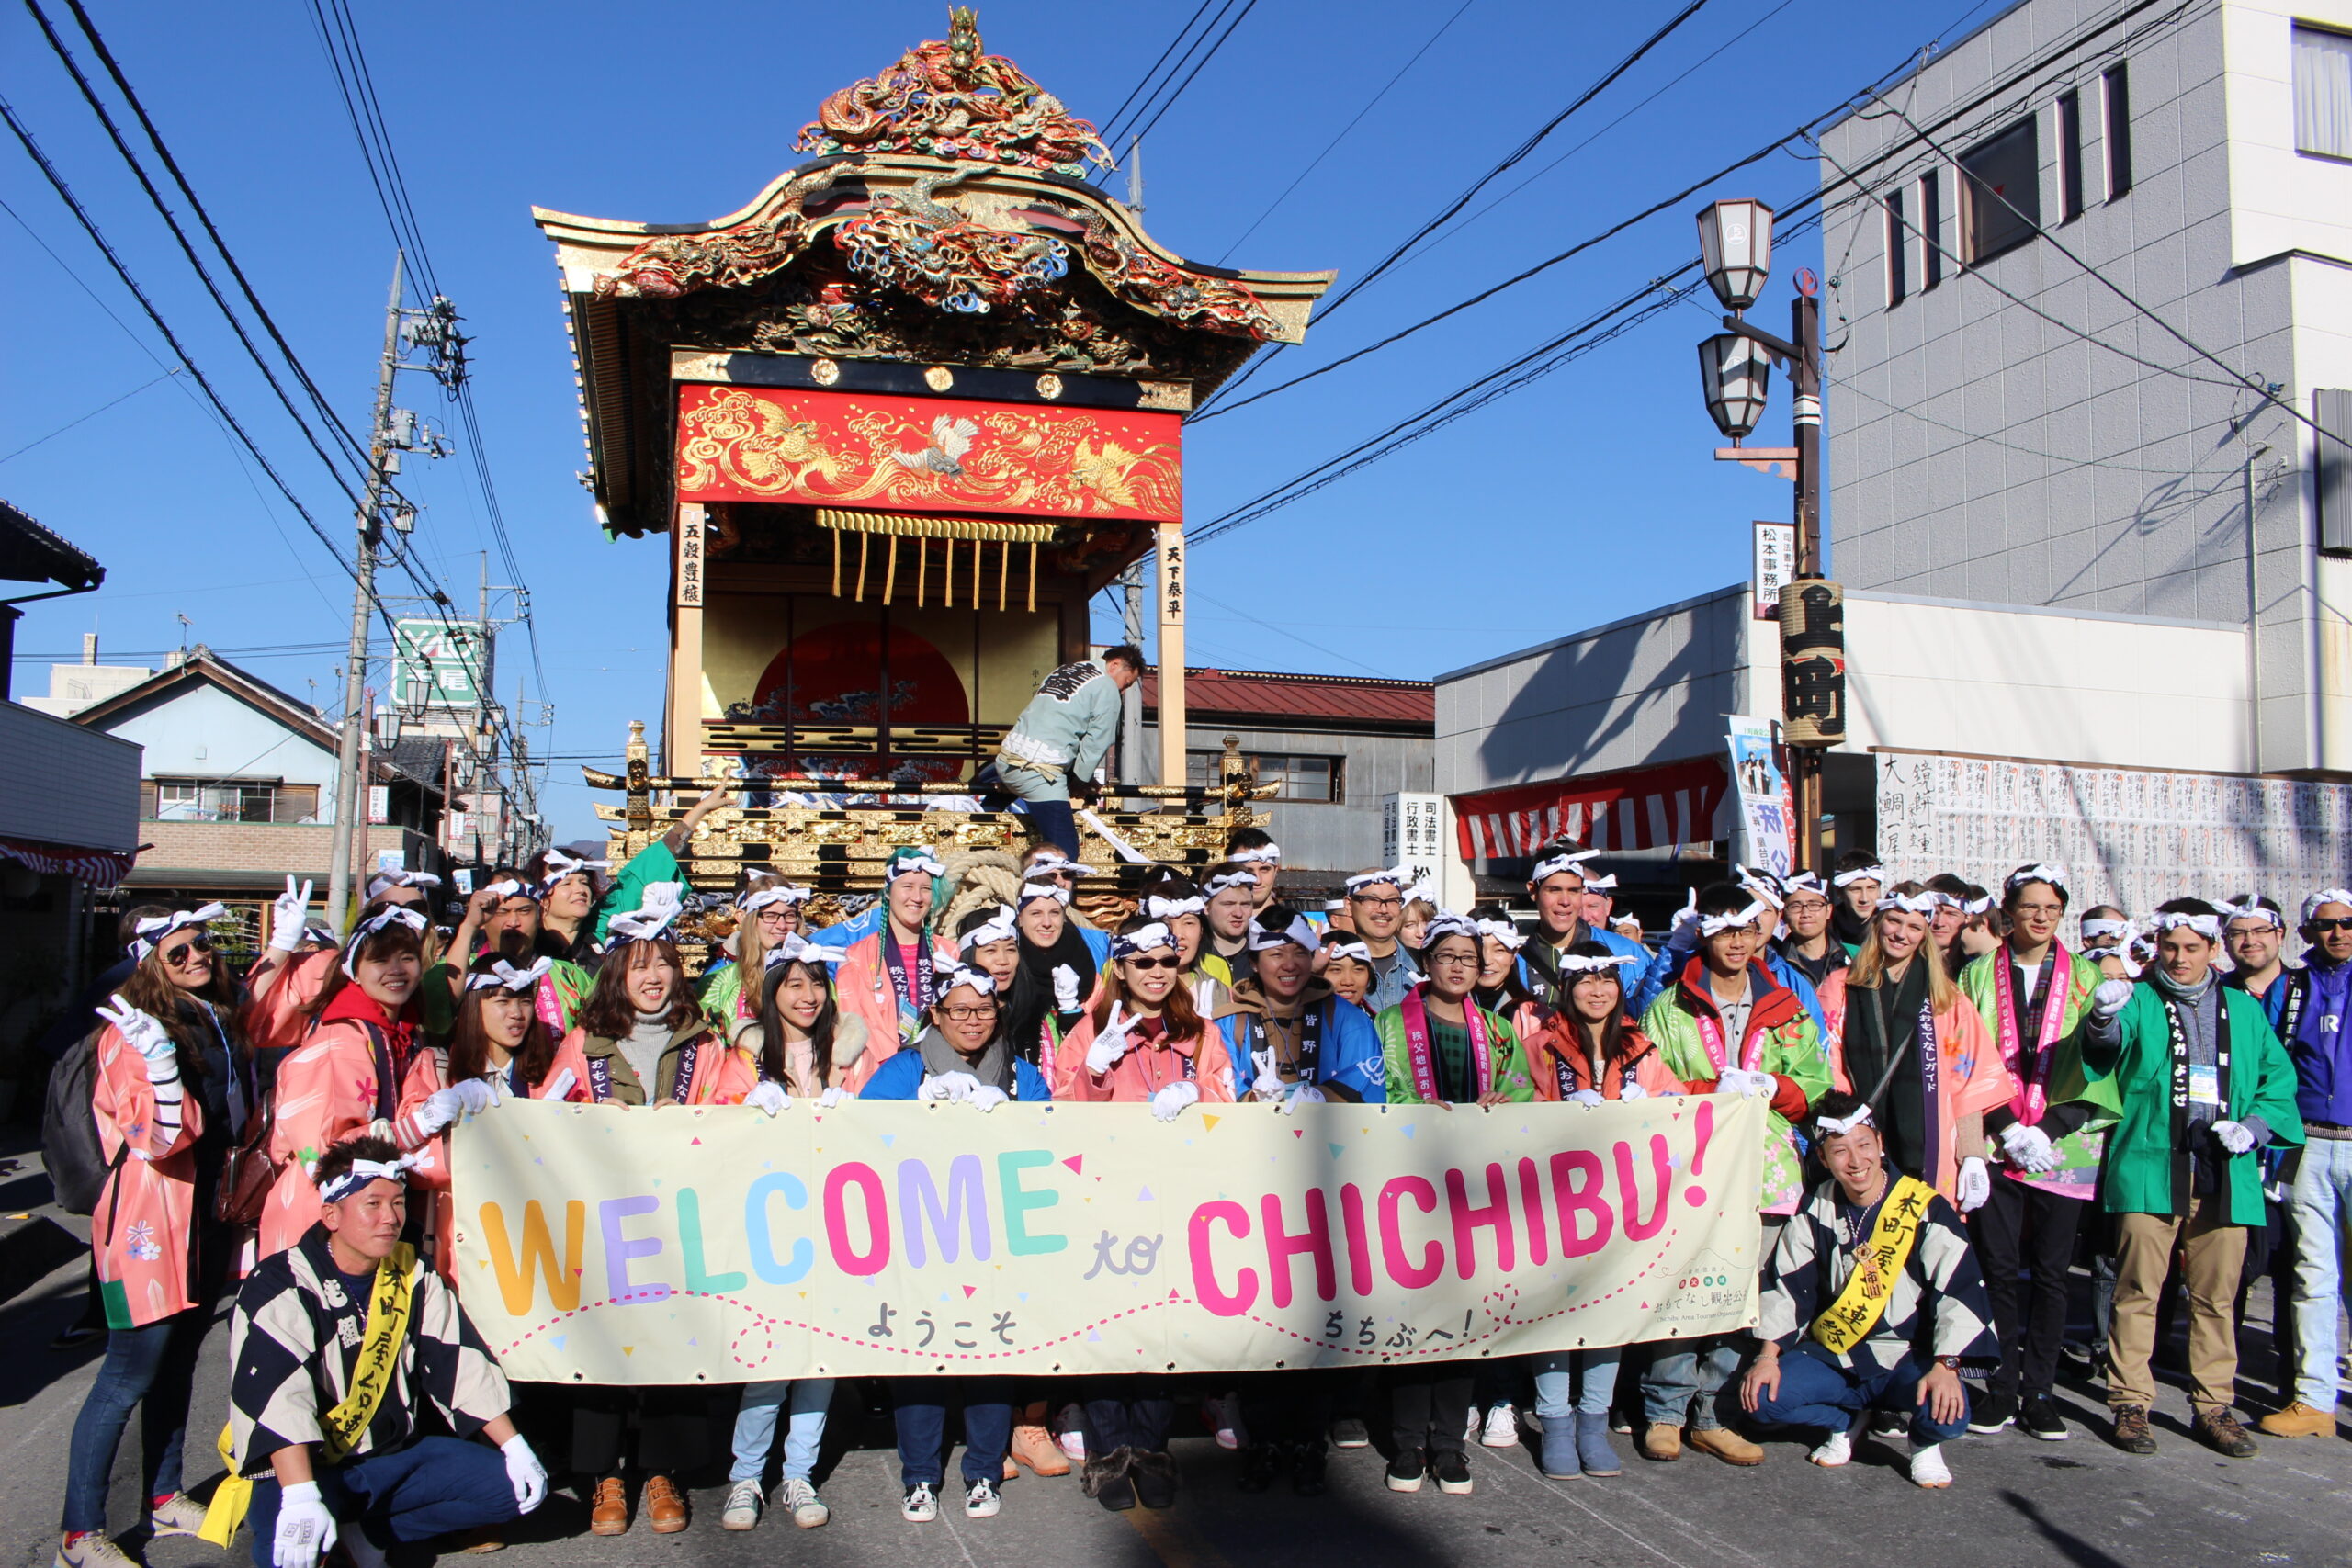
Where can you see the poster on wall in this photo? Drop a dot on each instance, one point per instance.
(2126, 836)
(1411, 828)
(1763, 796)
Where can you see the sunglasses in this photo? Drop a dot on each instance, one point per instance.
(180, 957)
(1171, 962)
(2329, 923)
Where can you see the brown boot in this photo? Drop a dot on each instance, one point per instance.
(2299, 1420)
(1662, 1442)
(1725, 1445)
(1033, 1446)
(608, 1507)
(664, 1509)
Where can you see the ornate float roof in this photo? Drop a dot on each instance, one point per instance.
(944, 225)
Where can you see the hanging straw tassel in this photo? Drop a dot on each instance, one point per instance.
(863, 540)
(836, 533)
(1003, 569)
(947, 578)
(922, 570)
(890, 573)
(978, 548)
(1032, 574)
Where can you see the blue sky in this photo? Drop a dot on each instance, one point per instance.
(1586, 496)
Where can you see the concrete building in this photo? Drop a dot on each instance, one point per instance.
(1342, 748)
(2060, 251)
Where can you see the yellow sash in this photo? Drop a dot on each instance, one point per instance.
(1877, 1262)
(342, 1426)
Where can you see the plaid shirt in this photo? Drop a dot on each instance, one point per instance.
(1937, 1307)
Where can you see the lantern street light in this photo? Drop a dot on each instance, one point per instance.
(1735, 373)
(1736, 248)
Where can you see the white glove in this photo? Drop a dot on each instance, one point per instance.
(2234, 1136)
(1629, 1089)
(1735, 1080)
(1585, 1097)
(832, 1098)
(986, 1097)
(1065, 988)
(1109, 1045)
(524, 1470)
(144, 1036)
(1170, 1102)
(286, 914)
(769, 1096)
(305, 1529)
(1267, 1084)
(1975, 1184)
(2028, 1148)
(1304, 1094)
(1684, 933)
(2109, 999)
(949, 1086)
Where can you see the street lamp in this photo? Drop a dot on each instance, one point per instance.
(1736, 248)
(1735, 373)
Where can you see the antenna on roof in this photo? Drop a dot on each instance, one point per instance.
(1135, 176)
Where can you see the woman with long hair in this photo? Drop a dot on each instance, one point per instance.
(569, 888)
(345, 1077)
(174, 1086)
(1173, 900)
(1502, 988)
(891, 977)
(1141, 1042)
(766, 911)
(802, 1041)
(1903, 1037)
(1055, 978)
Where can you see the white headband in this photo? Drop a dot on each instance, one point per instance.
(1143, 939)
(1755, 884)
(1298, 930)
(913, 857)
(1716, 925)
(1054, 864)
(1553, 866)
(1578, 964)
(1805, 881)
(963, 974)
(1226, 881)
(1977, 906)
(1054, 890)
(1161, 909)
(156, 929)
(1358, 951)
(1445, 922)
(1827, 1125)
(652, 918)
(2324, 896)
(1916, 903)
(381, 919)
(798, 948)
(2053, 874)
(1258, 856)
(506, 888)
(2207, 926)
(504, 976)
(1861, 873)
(1600, 884)
(2123, 929)
(768, 897)
(559, 866)
(2250, 911)
(336, 1188)
(1397, 877)
(384, 879)
(1503, 931)
(999, 927)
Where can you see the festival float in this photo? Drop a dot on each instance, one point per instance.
(898, 419)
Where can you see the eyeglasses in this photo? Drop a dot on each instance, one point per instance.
(1453, 960)
(968, 1014)
(1171, 962)
(1806, 906)
(2329, 922)
(1375, 903)
(180, 957)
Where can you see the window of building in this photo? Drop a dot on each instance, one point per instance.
(2115, 99)
(2322, 93)
(1931, 226)
(2001, 192)
(229, 800)
(2331, 412)
(1318, 779)
(1898, 249)
(2070, 156)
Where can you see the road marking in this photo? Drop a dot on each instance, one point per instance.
(946, 1516)
(1514, 1473)
(1713, 1542)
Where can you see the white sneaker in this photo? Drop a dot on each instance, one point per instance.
(800, 1497)
(1833, 1451)
(744, 1501)
(1476, 1424)
(179, 1515)
(1502, 1428)
(1929, 1469)
(981, 1500)
(95, 1550)
(1069, 1431)
(1225, 1414)
(922, 1505)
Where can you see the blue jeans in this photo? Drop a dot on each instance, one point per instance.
(806, 1399)
(1047, 800)
(1815, 1393)
(1685, 1368)
(152, 1369)
(922, 1426)
(431, 1487)
(1552, 1373)
(2320, 1202)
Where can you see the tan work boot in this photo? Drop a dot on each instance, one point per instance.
(2298, 1420)
(1725, 1445)
(1662, 1442)
(1033, 1445)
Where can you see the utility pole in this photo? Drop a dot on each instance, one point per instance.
(1131, 700)
(382, 460)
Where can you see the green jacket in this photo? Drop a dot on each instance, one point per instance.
(2068, 1080)
(653, 864)
(1789, 1048)
(2134, 1048)
(1070, 723)
(1509, 1060)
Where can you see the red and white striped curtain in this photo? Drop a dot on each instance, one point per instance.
(1635, 808)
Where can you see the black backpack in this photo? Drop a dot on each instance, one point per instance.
(77, 1163)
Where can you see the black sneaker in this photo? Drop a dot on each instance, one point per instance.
(1405, 1472)
(1349, 1432)
(1993, 1412)
(1306, 1471)
(2039, 1417)
(1256, 1471)
(1889, 1423)
(1451, 1468)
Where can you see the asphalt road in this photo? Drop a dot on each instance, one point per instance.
(2016, 1503)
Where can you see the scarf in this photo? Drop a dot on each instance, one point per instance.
(914, 992)
(2030, 1068)
(994, 1067)
(1423, 1060)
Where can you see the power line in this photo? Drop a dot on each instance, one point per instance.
(1181, 33)
(1139, 133)
(85, 419)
